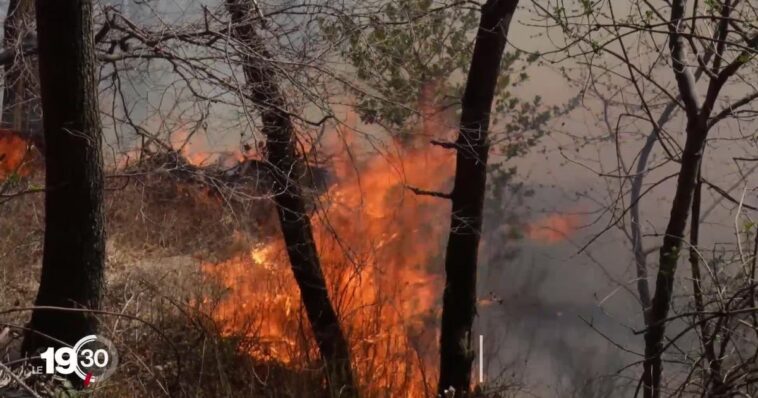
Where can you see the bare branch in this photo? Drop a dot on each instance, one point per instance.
(684, 78)
(435, 194)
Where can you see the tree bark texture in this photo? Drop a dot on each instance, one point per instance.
(287, 168)
(74, 249)
(472, 146)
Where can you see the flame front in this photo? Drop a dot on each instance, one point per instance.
(379, 245)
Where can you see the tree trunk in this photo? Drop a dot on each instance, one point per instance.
(287, 168)
(669, 255)
(74, 253)
(692, 156)
(21, 108)
(459, 299)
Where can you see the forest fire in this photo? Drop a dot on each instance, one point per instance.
(155, 209)
(14, 152)
(194, 149)
(378, 243)
(553, 228)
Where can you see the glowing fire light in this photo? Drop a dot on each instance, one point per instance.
(377, 242)
(380, 248)
(554, 228)
(14, 152)
(194, 149)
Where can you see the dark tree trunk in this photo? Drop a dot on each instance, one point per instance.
(74, 253)
(21, 109)
(698, 114)
(669, 255)
(459, 300)
(287, 168)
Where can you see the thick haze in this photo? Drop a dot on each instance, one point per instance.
(559, 291)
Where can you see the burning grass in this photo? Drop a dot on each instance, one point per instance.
(201, 297)
(379, 246)
(157, 228)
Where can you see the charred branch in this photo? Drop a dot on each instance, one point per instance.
(423, 192)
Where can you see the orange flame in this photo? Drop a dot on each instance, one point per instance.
(554, 228)
(14, 154)
(379, 246)
(196, 151)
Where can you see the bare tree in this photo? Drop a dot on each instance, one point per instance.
(700, 119)
(74, 246)
(287, 169)
(472, 146)
(711, 39)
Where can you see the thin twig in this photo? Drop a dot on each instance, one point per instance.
(19, 381)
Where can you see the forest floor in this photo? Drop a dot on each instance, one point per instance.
(157, 298)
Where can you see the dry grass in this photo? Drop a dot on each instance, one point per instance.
(159, 232)
(175, 350)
